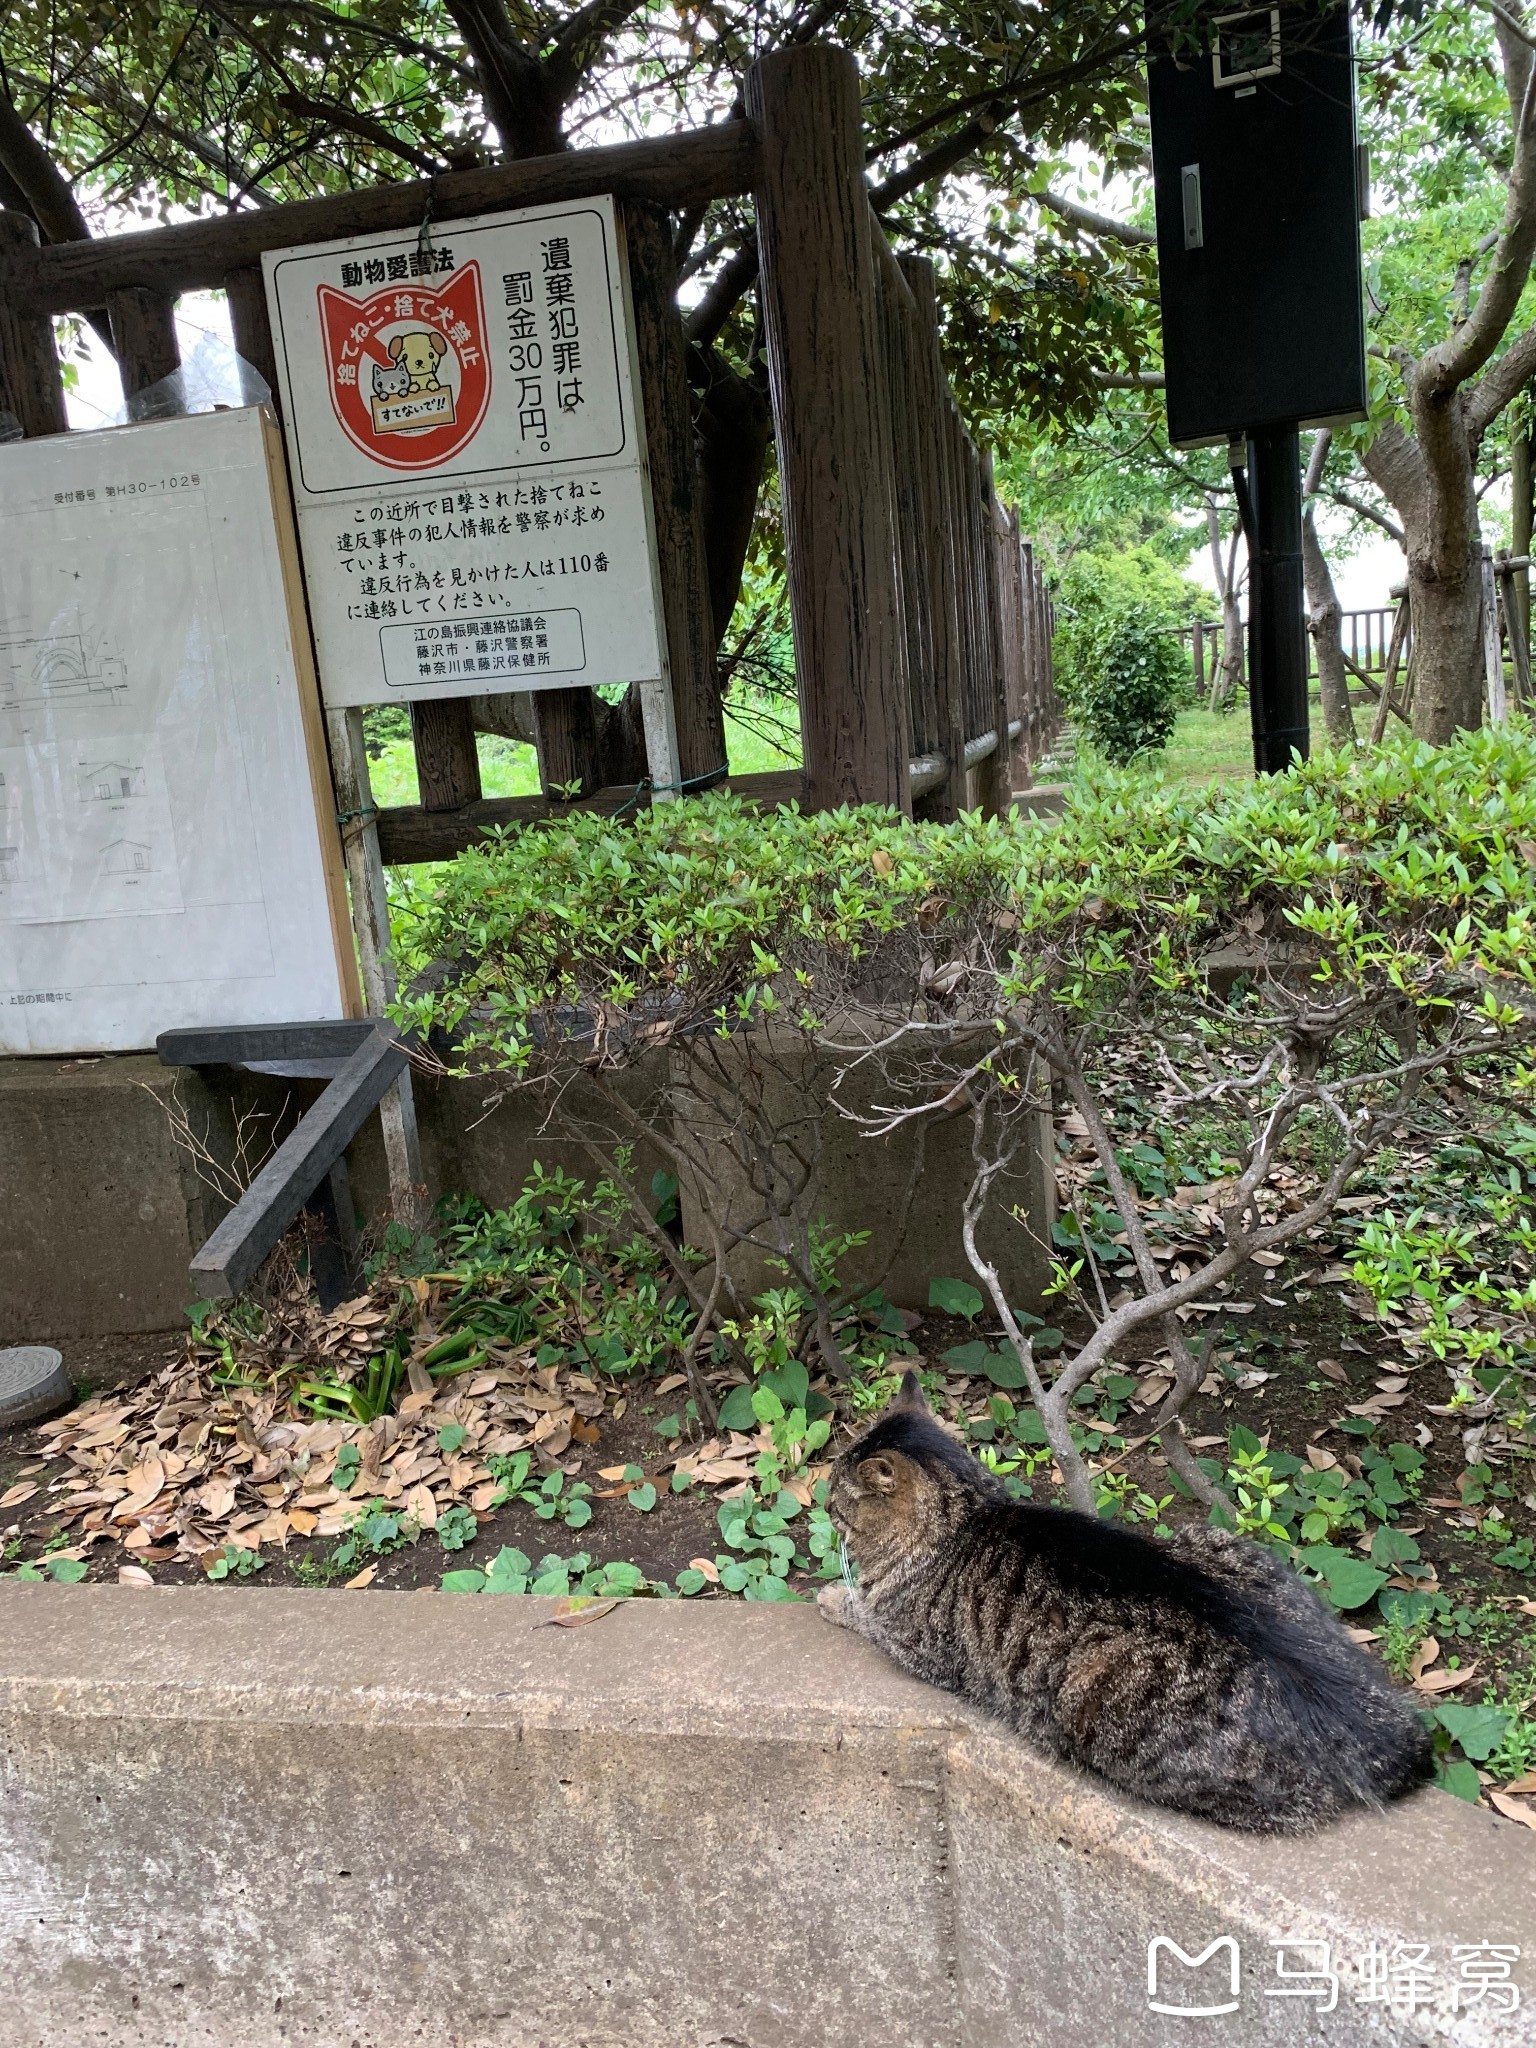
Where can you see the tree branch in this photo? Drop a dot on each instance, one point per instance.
(47, 192)
(1501, 382)
(1097, 223)
(355, 122)
(1452, 362)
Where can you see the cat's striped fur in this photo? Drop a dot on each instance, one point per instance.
(1198, 1672)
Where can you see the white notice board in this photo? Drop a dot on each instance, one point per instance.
(468, 461)
(163, 860)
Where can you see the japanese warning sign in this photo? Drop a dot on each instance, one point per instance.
(467, 459)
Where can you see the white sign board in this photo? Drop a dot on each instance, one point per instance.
(162, 862)
(467, 458)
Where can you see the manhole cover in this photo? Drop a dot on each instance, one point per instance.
(33, 1383)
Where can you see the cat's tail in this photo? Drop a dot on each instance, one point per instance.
(1359, 1733)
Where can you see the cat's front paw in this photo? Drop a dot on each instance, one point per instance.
(835, 1604)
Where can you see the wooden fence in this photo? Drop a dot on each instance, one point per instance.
(1366, 638)
(922, 626)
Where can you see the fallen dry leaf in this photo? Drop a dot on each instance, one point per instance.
(133, 1575)
(1513, 1809)
(364, 1578)
(1361, 1635)
(579, 1609)
(707, 1566)
(1422, 1658)
(1445, 1681)
(1525, 1784)
(16, 1495)
(1267, 1258)
(1319, 1459)
(1378, 1404)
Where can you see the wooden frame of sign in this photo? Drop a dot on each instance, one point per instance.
(169, 854)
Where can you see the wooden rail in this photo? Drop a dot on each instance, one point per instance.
(674, 171)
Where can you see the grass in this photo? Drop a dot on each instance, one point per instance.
(1209, 746)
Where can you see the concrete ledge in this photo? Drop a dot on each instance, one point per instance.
(259, 1817)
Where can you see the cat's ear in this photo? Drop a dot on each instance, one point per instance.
(910, 1394)
(878, 1474)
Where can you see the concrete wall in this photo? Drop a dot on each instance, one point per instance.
(101, 1208)
(252, 1818)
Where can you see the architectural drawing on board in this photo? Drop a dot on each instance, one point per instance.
(58, 668)
(106, 782)
(127, 857)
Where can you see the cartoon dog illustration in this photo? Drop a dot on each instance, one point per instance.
(421, 350)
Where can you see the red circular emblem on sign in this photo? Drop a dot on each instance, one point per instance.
(407, 368)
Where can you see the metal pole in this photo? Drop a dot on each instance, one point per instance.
(1276, 604)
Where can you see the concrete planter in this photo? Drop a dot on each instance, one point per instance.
(251, 1819)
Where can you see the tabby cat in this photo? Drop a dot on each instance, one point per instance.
(1198, 1672)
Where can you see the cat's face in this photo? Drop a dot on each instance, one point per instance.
(880, 1492)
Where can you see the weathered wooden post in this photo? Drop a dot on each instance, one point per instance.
(447, 761)
(899, 346)
(936, 538)
(251, 326)
(143, 336)
(661, 348)
(30, 384)
(995, 783)
(835, 471)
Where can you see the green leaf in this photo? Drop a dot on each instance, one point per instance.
(766, 1405)
(790, 1381)
(955, 1298)
(968, 1358)
(1347, 1581)
(735, 1410)
(1005, 1368)
(67, 1571)
(641, 1497)
(1479, 1730)
(577, 1514)
(1391, 1547)
(1241, 1439)
(456, 1528)
(464, 1582)
(1407, 1610)
(690, 1581)
(768, 1588)
(451, 1437)
(1459, 1778)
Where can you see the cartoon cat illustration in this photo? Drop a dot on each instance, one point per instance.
(391, 383)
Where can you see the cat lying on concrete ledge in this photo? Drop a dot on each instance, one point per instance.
(1197, 1672)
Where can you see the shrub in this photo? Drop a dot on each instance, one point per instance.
(1385, 902)
(1119, 663)
(1130, 684)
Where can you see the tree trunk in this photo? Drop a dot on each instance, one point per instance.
(1429, 479)
(1227, 675)
(1447, 644)
(1324, 614)
(735, 424)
